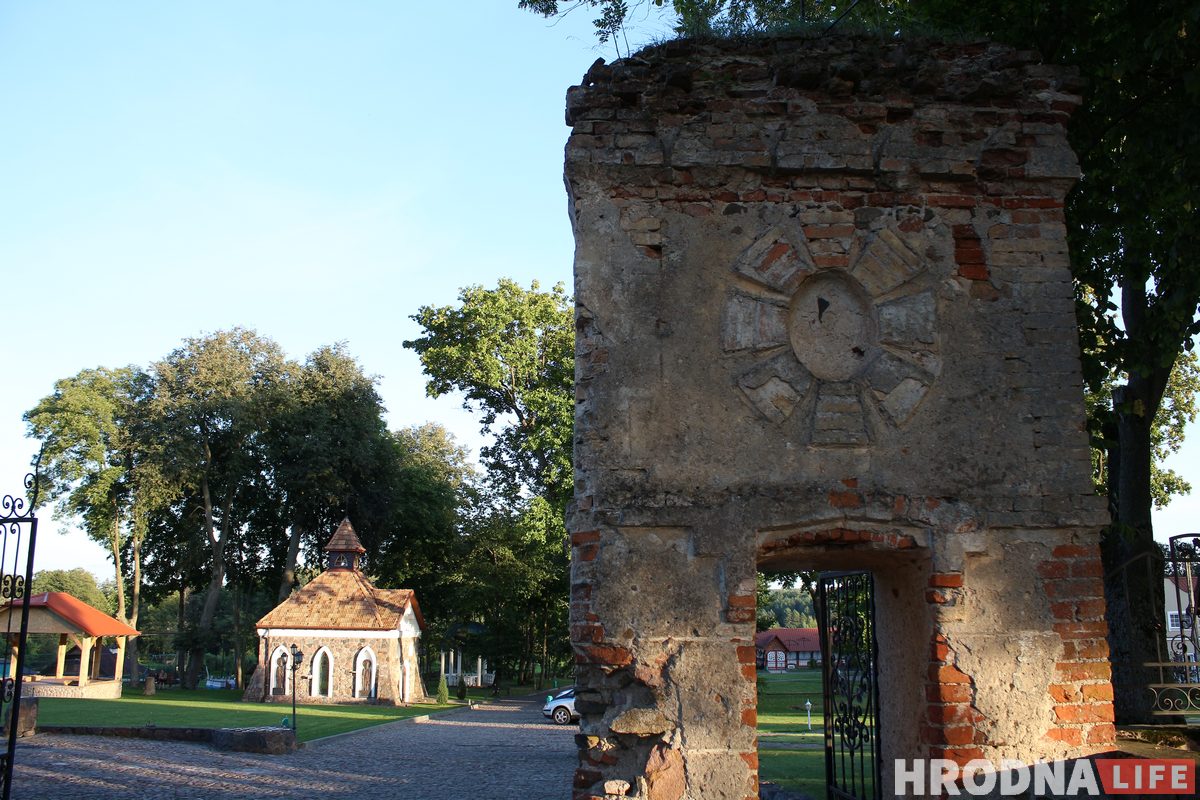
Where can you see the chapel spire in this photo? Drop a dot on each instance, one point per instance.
(344, 548)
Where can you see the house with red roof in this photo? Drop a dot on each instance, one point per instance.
(358, 643)
(72, 620)
(779, 649)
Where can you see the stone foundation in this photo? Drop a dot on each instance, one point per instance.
(53, 687)
(825, 321)
(343, 651)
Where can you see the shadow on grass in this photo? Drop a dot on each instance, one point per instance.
(181, 708)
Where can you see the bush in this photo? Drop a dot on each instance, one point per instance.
(443, 691)
(460, 691)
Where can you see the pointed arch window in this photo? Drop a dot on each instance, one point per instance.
(322, 673)
(364, 673)
(281, 670)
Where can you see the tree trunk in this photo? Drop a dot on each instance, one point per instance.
(212, 595)
(237, 637)
(114, 542)
(288, 579)
(1133, 568)
(135, 604)
(181, 626)
(545, 655)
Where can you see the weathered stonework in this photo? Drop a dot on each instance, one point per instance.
(359, 642)
(825, 320)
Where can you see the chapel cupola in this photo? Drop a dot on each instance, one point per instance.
(344, 548)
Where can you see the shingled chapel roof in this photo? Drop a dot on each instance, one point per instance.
(345, 540)
(343, 599)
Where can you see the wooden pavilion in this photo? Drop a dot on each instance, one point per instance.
(73, 621)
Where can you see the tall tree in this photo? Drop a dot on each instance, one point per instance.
(327, 444)
(1134, 226)
(213, 398)
(427, 483)
(510, 351)
(95, 455)
(85, 430)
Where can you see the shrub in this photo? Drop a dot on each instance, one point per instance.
(443, 691)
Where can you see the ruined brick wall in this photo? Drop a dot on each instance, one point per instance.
(825, 320)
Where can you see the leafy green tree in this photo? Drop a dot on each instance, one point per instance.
(432, 446)
(765, 616)
(510, 352)
(720, 17)
(428, 481)
(78, 582)
(325, 443)
(96, 457)
(1134, 227)
(213, 399)
(512, 577)
(1175, 412)
(85, 430)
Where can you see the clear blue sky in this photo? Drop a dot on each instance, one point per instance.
(315, 171)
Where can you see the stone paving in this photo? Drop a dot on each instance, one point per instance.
(497, 751)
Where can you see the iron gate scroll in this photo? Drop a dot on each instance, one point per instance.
(16, 513)
(1177, 691)
(846, 619)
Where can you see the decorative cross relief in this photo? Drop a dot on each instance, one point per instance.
(833, 348)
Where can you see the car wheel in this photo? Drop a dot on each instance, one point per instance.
(561, 715)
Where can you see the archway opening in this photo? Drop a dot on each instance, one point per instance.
(790, 700)
(830, 722)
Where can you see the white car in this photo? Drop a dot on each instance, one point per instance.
(560, 707)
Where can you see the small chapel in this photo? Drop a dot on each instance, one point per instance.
(340, 638)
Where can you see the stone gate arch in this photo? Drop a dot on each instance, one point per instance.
(824, 315)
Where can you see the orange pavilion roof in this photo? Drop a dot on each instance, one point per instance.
(76, 614)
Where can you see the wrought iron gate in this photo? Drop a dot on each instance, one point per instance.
(1177, 690)
(16, 513)
(846, 618)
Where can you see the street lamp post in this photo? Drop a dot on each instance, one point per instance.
(297, 659)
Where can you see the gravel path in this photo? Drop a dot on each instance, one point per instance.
(497, 751)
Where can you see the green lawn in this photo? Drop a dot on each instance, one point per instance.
(781, 701)
(214, 708)
(798, 771)
(783, 721)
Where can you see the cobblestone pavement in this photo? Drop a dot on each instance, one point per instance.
(497, 751)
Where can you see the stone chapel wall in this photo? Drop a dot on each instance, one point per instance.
(825, 320)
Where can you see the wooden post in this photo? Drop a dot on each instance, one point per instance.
(61, 664)
(13, 651)
(97, 657)
(85, 658)
(119, 669)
